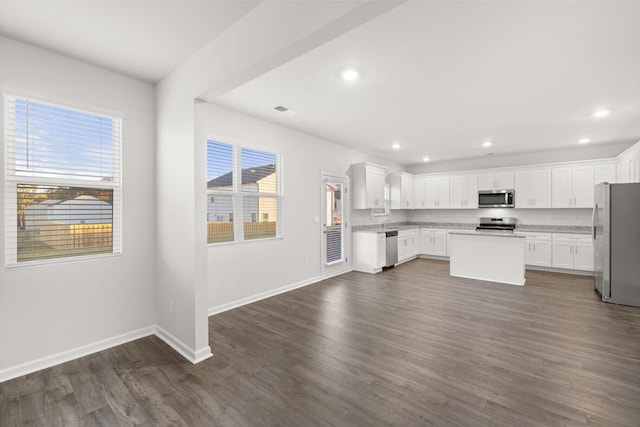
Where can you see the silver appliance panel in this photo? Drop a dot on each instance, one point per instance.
(392, 248)
(496, 198)
(616, 242)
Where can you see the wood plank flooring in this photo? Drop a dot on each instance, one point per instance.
(408, 347)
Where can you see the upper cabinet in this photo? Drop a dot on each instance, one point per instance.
(401, 190)
(605, 172)
(431, 192)
(419, 192)
(533, 188)
(437, 192)
(368, 185)
(496, 180)
(572, 187)
(464, 191)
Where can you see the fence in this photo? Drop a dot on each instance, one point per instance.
(76, 236)
(223, 231)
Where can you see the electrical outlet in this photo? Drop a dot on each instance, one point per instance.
(170, 307)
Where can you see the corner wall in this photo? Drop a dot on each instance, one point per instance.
(55, 312)
(239, 273)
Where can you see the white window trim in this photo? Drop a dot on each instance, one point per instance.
(10, 198)
(237, 195)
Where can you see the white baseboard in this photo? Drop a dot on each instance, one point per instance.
(193, 356)
(74, 353)
(267, 294)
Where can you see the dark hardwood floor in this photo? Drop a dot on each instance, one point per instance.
(407, 347)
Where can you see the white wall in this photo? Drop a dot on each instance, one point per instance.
(573, 154)
(55, 308)
(243, 270)
(252, 46)
(578, 217)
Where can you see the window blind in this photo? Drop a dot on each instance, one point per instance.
(62, 178)
(244, 184)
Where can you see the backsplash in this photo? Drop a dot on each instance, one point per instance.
(573, 217)
(363, 217)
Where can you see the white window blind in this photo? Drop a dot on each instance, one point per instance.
(62, 181)
(245, 184)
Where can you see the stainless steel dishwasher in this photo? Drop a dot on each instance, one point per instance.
(392, 248)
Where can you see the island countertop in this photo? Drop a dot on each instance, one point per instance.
(492, 233)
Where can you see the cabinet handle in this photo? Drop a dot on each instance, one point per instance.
(574, 201)
(570, 249)
(577, 250)
(534, 247)
(569, 201)
(534, 202)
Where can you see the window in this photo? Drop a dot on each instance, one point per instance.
(242, 183)
(62, 181)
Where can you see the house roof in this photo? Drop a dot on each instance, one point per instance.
(249, 176)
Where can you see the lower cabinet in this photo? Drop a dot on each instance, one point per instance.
(433, 241)
(369, 251)
(538, 249)
(573, 251)
(408, 244)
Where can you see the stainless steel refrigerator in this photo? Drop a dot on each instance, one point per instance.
(616, 242)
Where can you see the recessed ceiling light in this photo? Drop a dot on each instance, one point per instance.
(487, 144)
(601, 113)
(584, 141)
(395, 146)
(425, 159)
(350, 74)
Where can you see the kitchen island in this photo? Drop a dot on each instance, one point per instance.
(488, 255)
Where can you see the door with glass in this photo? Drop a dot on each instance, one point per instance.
(333, 225)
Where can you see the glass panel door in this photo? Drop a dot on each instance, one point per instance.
(333, 222)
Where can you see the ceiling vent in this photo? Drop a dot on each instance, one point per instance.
(285, 110)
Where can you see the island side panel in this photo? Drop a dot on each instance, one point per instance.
(493, 258)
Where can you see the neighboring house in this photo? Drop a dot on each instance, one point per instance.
(80, 210)
(259, 179)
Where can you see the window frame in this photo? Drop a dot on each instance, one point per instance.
(238, 195)
(11, 180)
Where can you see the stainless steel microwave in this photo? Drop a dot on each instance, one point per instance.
(496, 199)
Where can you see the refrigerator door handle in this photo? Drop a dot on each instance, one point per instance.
(593, 221)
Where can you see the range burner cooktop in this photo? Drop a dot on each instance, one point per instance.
(497, 224)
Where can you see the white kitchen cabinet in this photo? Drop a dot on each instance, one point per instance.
(433, 241)
(496, 180)
(437, 192)
(419, 192)
(533, 188)
(538, 249)
(369, 251)
(628, 168)
(464, 191)
(401, 190)
(605, 173)
(381, 254)
(572, 251)
(408, 244)
(572, 187)
(368, 185)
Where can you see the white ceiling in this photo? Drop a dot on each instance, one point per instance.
(438, 77)
(441, 77)
(144, 39)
